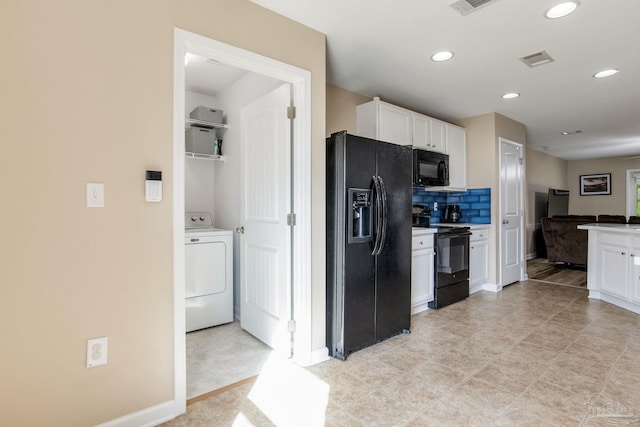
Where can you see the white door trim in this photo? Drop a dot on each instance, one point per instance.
(300, 80)
(523, 275)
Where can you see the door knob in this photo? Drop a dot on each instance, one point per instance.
(505, 221)
(240, 230)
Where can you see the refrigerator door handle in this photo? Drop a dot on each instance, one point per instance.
(378, 216)
(383, 232)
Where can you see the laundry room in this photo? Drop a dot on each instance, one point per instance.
(219, 350)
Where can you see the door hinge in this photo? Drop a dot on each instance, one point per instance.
(291, 219)
(291, 112)
(291, 326)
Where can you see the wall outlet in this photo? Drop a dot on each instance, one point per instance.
(96, 352)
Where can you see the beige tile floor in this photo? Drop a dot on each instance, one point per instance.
(534, 354)
(222, 355)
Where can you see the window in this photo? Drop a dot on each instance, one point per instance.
(633, 192)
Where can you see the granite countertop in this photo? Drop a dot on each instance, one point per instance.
(614, 228)
(424, 230)
(462, 224)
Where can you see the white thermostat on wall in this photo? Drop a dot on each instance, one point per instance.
(153, 186)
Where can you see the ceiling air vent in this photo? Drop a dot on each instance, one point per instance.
(536, 59)
(465, 7)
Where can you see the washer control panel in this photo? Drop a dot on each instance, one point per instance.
(198, 220)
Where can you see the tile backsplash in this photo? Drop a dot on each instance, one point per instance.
(475, 203)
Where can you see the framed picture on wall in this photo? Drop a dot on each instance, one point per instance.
(595, 184)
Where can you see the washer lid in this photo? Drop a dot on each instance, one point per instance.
(197, 220)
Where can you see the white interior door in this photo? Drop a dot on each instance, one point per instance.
(511, 211)
(265, 240)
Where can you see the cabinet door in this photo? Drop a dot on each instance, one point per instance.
(613, 269)
(457, 150)
(478, 263)
(421, 132)
(395, 124)
(438, 135)
(634, 271)
(421, 279)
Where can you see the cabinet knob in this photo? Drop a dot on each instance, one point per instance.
(623, 253)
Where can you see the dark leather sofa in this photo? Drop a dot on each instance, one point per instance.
(568, 245)
(565, 243)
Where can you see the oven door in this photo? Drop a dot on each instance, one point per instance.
(452, 258)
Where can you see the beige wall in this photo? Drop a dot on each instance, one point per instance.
(341, 109)
(483, 163)
(543, 172)
(87, 96)
(614, 204)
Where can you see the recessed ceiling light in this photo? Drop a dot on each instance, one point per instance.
(445, 55)
(562, 9)
(511, 95)
(606, 73)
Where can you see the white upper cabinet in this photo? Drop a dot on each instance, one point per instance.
(438, 131)
(421, 132)
(457, 151)
(385, 122)
(429, 134)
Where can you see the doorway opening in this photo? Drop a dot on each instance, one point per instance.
(249, 77)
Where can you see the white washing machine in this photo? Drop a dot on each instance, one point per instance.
(209, 272)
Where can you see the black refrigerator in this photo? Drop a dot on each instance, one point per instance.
(369, 189)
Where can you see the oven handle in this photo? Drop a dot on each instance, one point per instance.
(383, 197)
(452, 235)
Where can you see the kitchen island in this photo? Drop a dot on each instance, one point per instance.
(613, 264)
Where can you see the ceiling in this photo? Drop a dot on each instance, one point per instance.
(208, 76)
(383, 48)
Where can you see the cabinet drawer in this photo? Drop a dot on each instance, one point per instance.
(422, 242)
(614, 239)
(479, 235)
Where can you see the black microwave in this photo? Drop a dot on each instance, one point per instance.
(430, 168)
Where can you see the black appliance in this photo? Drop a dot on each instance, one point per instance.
(452, 266)
(368, 242)
(421, 216)
(451, 213)
(430, 168)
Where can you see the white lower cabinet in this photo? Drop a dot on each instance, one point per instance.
(478, 259)
(613, 263)
(422, 259)
(613, 272)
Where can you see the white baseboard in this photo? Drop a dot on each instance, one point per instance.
(319, 355)
(148, 417)
(475, 288)
(492, 287)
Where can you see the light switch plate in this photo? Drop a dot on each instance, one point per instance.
(95, 195)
